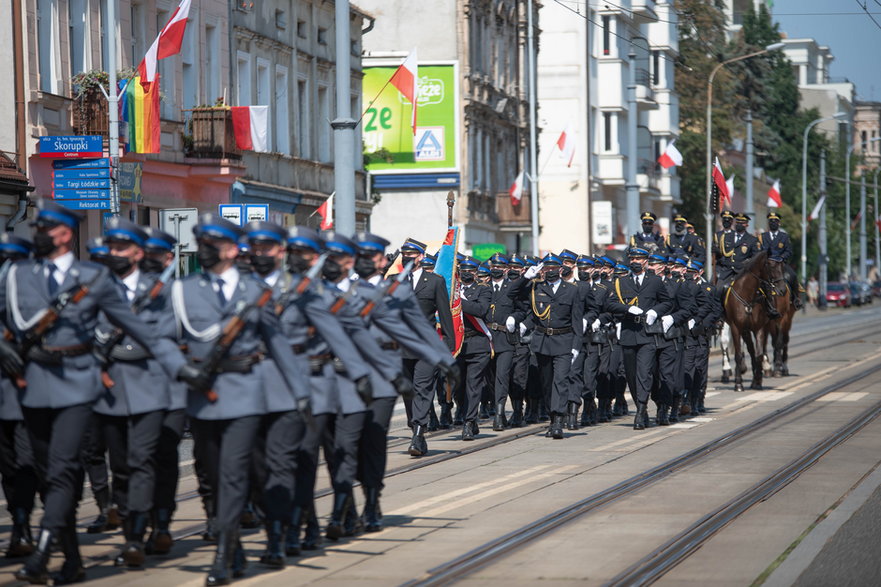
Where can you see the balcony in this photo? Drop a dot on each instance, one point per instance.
(513, 217)
(89, 115)
(645, 95)
(212, 135)
(644, 11)
(648, 173)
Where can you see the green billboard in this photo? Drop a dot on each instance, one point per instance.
(389, 143)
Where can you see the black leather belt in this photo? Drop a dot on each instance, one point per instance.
(317, 363)
(238, 364)
(53, 355)
(635, 319)
(553, 331)
(390, 346)
(496, 326)
(470, 333)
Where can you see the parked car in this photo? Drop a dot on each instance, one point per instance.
(876, 289)
(838, 294)
(865, 292)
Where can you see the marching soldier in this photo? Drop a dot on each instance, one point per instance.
(567, 271)
(584, 368)
(697, 354)
(521, 354)
(62, 375)
(648, 239)
(477, 347)
(557, 312)
(638, 301)
(681, 243)
(502, 319)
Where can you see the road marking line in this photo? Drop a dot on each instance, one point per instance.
(627, 440)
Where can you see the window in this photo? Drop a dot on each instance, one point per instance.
(212, 69)
(47, 37)
(189, 58)
(105, 36)
(864, 141)
(167, 73)
(243, 78)
(874, 147)
(263, 95)
(607, 37)
(303, 119)
(323, 120)
(607, 131)
(322, 36)
(281, 19)
(78, 34)
(656, 67)
(302, 30)
(280, 105)
(138, 34)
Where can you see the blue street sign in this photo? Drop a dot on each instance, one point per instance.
(73, 147)
(232, 212)
(81, 184)
(81, 194)
(81, 163)
(86, 204)
(81, 173)
(256, 212)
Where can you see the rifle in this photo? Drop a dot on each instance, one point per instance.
(230, 333)
(387, 289)
(308, 278)
(343, 299)
(139, 304)
(34, 334)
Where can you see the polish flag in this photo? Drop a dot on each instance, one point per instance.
(168, 43)
(671, 157)
(251, 127)
(729, 183)
(404, 79)
(815, 213)
(325, 210)
(721, 186)
(566, 144)
(516, 190)
(774, 198)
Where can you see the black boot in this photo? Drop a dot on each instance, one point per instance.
(468, 430)
(352, 525)
(639, 422)
(292, 536)
(132, 554)
(446, 416)
(239, 560)
(700, 404)
(433, 423)
(274, 556)
(34, 570)
(334, 530)
(372, 517)
(556, 426)
(160, 541)
(517, 416)
(603, 412)
(250, 519)
(618, 409)
(418, 445)
(543, 415)
(21, 543)
(458, 418)
(572, 416)
(484, 411)
(674, 409)
(220, 574)
(531, 412)
(100, 524)
(663, 415)
(72, 570)
(588, 412)
(210, 533)
(312, 535)
(499, 419)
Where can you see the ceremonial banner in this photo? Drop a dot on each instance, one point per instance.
(446, 267)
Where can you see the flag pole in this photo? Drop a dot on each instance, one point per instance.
(113, 105)
(375, 98)
(533, 148)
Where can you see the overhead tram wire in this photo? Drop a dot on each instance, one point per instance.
(865, 8)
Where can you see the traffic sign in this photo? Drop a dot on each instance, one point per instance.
(72, 147)
(102, 173)
(256, 212)
(87, 194)
(179, 223)
(82, 163)
(86, 204)
(231, 212)
(81, 184)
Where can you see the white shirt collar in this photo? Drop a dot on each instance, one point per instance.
(417, 273)
(64, 262)
(230, 279)
(375, 280)
(131, 280)
(343, 285)
(272, 278)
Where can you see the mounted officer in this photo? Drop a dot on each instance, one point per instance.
(681, 243)
(649, 239)
(735, 249)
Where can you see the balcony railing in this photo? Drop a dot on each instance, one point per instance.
(510, 215)
(89, 114)
(212, 135)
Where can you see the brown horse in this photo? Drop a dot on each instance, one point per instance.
(779, 328)
(744, 307)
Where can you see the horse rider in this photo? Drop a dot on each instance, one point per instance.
(680, 243)
(776, 241)
(648, 239)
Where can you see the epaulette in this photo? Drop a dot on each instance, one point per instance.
(602, 286)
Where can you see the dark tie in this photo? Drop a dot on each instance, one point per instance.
(220, 295)
(53, 284)
(497, 288)
(736, 239)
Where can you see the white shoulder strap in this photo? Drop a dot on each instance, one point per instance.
(180, 311)
(12, 303)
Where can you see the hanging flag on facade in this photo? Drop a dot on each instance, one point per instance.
(139, 108)
(566, 144)
(729, 183)
(168, 43)
(516, 190)
(405, 79)
(671, 157)
(815, 213)
(325, 210)
(721, 186)
(250, 125)
(775, 200)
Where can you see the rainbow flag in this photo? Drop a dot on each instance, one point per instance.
(139, 108)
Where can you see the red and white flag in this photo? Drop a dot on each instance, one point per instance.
(721, 185)
(325, 210)
(815, 213)
(878, 222)
(251, 127)
(516, 190)
(729, 183)
(671, 157)
(566, 144)
(405, 79)
(168, 43)
(775, 200)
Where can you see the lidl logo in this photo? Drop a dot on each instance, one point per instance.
(429, 141)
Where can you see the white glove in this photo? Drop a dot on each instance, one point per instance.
(533, 271)
(596, 325)
(635, 310)
(650, 317)
(574, 355)
(584, 325)
(667, 322)
(691, 323)
(522, 329)
(462, 295)
(510, 324)
(618, 330)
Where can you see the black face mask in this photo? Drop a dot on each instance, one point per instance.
(406, 260)
(512, 274)
(679, 230)
(566, 272)
(667, 271)
(584, 276)
(297, 264)
(263, 264)
(119, 265)
(726, 223)
(208, 255)
(497, 273)
(597, 275)
(650, 271)
(466, 277)
(552, 275)
(332, 270)
(636, 267)
(364, 267)
(43, 244)
(151, 265)
(648, 228)
(773, 225)
(740, 228)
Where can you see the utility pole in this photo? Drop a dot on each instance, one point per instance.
(750, 205)
(823, 264)
(863, 226)
(533, 146)
(113, 105)
(344, 127)
(632, 122)
(875, 218)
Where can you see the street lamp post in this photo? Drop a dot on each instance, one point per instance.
(877, 229)
(848, 268)
(804, 193)
(708, 214)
